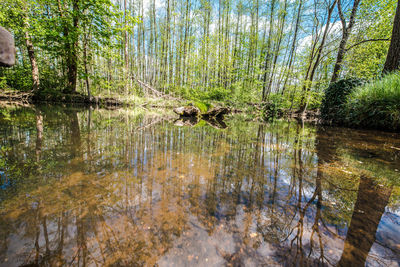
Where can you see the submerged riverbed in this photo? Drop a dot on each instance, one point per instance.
(87, 187)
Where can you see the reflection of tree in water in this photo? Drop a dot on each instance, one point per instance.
(128, 192)
(298, 246)
(364, 223)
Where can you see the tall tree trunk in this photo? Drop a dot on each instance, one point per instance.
(71, 46)
(31, 53)
(126, 61)
(32, 58)
(268, 56)
(393, 57)
(308, 82)
(85, 62)
(346, 30)
(278, 45)
(293, 46)
(185, 39)
(156, 67)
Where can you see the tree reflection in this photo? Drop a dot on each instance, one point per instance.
(364, 222)
(128, 189)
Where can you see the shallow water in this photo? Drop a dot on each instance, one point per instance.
(87, 187)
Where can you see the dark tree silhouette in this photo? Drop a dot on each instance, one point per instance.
(393, 57)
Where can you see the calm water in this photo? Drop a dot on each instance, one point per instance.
(132, 188)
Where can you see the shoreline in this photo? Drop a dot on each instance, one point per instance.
(23, 99)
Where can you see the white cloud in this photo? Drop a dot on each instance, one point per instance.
(306, 41)
(158, 3)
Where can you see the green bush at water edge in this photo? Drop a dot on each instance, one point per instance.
(375, 104)
(335, 97)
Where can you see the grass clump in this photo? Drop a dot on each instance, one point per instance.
(375, 104)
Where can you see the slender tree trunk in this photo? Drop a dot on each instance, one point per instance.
(144, 61)
(31, 53)
(235, 47)
(71, 46)
(207, 38)
(278, 46)
(393, 57)
(155, 48)
(85, 63)
(32, 58)
(185, 39)
(126, 56)
(308, 82)
(346, 30)
(268, 56)
(292, 49)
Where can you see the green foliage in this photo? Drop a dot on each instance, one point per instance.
(335, 96)
(18, 78)
(5, 114)
(315, 99)
(202, 106)
(214, 93)
(218, 93)
(273, 108)
(226, 65)
(375, 104)
(56, 39)
(375, 20)
(3, 83)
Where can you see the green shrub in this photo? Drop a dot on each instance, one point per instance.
(271, 110)
(18, 77)
(218, 93)
(334, 99)
(202, 106)
(375, 104)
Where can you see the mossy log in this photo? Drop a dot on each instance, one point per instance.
(192, 111)
(187, 111)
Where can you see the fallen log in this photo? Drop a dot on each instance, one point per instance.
(192, 111)
(187, 111)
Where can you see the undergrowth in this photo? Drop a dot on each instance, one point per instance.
(375, 104)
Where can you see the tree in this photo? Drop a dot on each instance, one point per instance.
(393, 56)
(309, 77)
(346, 30)
(71, 33)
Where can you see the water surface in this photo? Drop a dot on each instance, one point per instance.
(88, 187)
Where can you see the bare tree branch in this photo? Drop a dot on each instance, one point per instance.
(365, 41)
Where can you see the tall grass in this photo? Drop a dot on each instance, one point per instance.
(375, 104)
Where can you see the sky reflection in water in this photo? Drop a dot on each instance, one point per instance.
(95, 187)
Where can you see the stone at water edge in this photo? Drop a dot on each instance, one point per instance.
(187, 111)
(7, 48)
